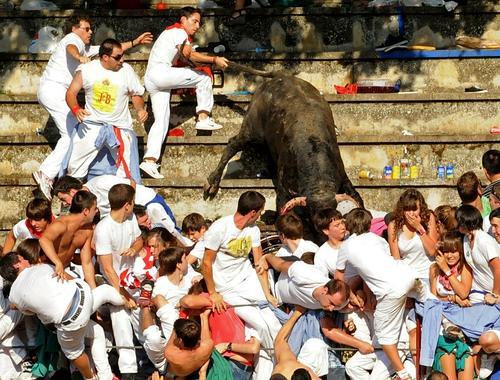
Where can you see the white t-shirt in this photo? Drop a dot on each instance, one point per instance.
(172, 292)
(485, 249)
(50, 303)
(326, 259)
(62, 66)
(21, 231)
(303, 247)
(111, 237)
(231, 266)
(107, 93)
(298, 285)
(413, 253)
(164, 50)
(198, 250)
(370, 256)
(99, 186)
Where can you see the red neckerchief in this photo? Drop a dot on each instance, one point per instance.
(32, 230)
(445, 281)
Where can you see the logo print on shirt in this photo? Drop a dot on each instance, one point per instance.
(104, 96)
(239, 247)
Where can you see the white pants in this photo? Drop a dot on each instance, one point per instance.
(154, 345)
(52, 97)
(375, 366)
(159, 80)
(262, 320)
(84, 150)
(125, 323)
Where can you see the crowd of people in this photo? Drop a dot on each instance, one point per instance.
(203, 299)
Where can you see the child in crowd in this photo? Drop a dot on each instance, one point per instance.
(482, 253)
(451, 280)
(445, 218)
(38, 217)
(291, 233)
(331, 223)
(194, 227)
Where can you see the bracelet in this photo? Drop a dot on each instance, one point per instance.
(448, 274)
(215, 59)
(132, 42)
(75, 109)
(229, 346)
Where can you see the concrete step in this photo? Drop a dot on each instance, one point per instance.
(196, 157)
(344, 26)
(20, 73)
(462, 114)
(186, 196)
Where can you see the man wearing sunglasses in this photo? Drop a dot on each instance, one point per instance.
(73, 50)
(105, 122)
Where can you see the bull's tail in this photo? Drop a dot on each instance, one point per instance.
(251, 70)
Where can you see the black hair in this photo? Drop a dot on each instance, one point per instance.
(188, 11)
(65, 184)
(107, 46)
(301, 374)
(188, 331)
(469, 217)
(491, 161)
(250, 201)
(495, 214)
(38, 209)
(7, 270)
(82, 200)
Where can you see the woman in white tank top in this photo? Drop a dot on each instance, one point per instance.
(413, 233)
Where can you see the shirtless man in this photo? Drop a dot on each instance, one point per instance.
(190, 346)
(287, 364)
(58, 240)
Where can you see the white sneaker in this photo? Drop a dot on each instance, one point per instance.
(151, 169)
(207, 125)
(44, 182)
(487, 365)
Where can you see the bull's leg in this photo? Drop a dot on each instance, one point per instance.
(234, 145)
(348, 188)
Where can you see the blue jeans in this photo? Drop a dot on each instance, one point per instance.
(239, 373)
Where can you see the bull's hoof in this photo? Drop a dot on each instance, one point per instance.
(210, 190)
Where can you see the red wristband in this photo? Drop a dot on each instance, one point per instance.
(75, 109)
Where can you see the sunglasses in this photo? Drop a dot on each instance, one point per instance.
(117, 58)
(86, 28)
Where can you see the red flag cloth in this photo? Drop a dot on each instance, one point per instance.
(347, 89)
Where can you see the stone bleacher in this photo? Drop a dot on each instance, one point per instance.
(436, 121)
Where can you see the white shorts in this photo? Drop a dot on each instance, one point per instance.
(388, 319)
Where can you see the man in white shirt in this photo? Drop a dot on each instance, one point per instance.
(106, 120)
(66, 304)
(495, 223)
(229, 274)
(331, 223)
(117, 241)
(156, 207)
(73, 50)
(164, 74)
(389, 280)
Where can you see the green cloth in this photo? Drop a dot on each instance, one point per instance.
(219, 368)
(448, 346)
(47, 353)
(486, 207)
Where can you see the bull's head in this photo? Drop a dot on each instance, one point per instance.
(321, 197)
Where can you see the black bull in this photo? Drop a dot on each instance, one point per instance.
(292, 119)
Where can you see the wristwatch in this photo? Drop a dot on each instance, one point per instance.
(448, 273)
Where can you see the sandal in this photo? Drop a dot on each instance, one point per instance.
(237, 18)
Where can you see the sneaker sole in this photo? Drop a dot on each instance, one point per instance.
(39, 181)
(155, 176)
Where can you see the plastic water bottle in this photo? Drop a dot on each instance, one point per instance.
(261, 50)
